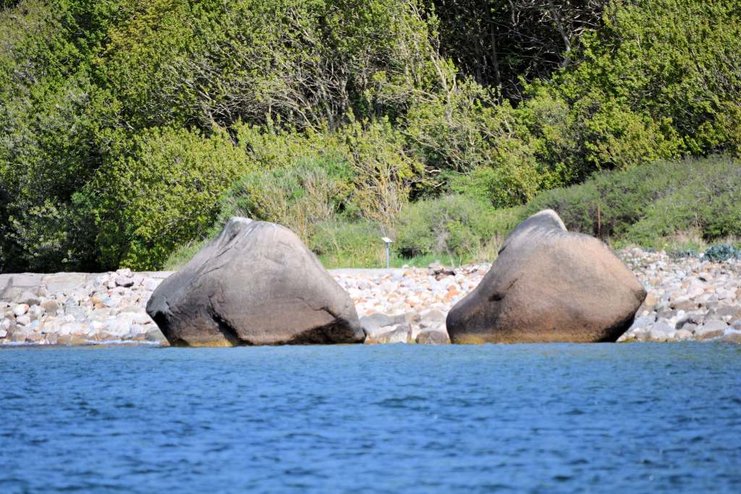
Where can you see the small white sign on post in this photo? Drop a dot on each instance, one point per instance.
(387, 241)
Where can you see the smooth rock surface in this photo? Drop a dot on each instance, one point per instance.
(255, 284)
(549, 285)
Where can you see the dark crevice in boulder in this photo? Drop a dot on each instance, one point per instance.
(226, 329)
(336, 331)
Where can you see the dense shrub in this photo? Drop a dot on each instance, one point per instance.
(648, 203)
(454, 225)
(383, 171)
(722, 252)
(122, 122)
(706, 201)
(163, 192)
(311, 191)
(340, 243)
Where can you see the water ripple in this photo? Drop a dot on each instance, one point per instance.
(511, 418)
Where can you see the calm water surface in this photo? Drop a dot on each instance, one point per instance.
(537, 418)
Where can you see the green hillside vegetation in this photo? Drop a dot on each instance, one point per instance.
(678, 206)
(130, 129)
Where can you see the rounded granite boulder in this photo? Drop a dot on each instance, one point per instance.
(548, 285)
(255, 284)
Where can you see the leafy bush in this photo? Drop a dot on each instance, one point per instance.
(119, 119)
(340, 243)
(706, 200)
(722, 252)
(648, 203)
(383, 171)
(299, 197)
(162, 193)
(453, 225)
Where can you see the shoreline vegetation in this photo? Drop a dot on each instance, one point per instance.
(683, 208)
(130, 130)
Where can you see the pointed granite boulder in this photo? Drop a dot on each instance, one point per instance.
(255, 284)
(549, 285)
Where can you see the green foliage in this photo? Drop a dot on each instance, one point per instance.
(345, 244)
(722, 252)
(505, 43)
(671, 64)
(649, 204)
(163, 192)
(309, 63)
(184, 253)
(383, 171)
(299, 197)
(124, 122)
(707, 200)
(454, 225)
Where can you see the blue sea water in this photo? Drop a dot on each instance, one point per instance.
(394, 418)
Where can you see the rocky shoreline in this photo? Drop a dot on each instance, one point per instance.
(689, 298)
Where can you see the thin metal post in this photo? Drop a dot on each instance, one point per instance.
(387, 241)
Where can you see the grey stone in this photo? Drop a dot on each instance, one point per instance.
(683, 335)
(75, 312)
(255, 284)
(124, 281)
(23, 320)
(642, 322)
(431, 318)
(398, 335)
(50, 307)
(19, 336)
(141, 318)
(433, 338)
(438, 270)
(73, 328)
(35, 312)
(691, 318)
(29, 298)
(137, 330)
(151, 284)
(684, 303)
(661, 331)
(548, 284)
(155, 335)
(713, 328)
(13, 285)
(695, 289)
(20, 309)
(727, 312)
(732, 336)
(65, 282)
(377, 323)
(118, 327)
(689, 327)
(71, 340)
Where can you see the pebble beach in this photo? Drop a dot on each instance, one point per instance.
(689, 298)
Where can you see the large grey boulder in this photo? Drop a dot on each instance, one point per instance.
(549, 285)
(256, 284)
